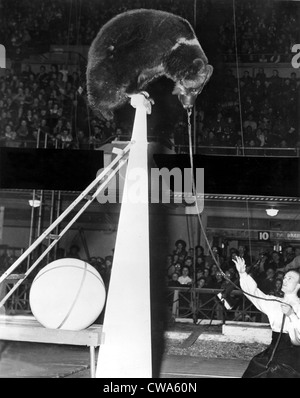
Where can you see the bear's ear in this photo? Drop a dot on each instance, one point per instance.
(198, 63)
(197, 67)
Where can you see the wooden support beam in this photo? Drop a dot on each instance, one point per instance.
(125, 351)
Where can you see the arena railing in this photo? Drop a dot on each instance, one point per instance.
(92, 144)
(203, 304)
(180, 149)
(241, 151)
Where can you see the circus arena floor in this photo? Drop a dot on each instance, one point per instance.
(185, 356)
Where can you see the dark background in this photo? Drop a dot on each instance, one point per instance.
(51, 169)
(241, 175)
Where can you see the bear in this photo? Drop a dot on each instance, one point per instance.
(137, 47)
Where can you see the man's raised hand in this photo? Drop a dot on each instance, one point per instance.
(240, 264)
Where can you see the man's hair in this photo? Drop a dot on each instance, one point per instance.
(297, 270)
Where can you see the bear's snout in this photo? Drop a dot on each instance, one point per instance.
(188, 90)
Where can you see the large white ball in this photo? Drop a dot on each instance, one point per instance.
(67, 294)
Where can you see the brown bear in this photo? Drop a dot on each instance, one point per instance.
(138, 46)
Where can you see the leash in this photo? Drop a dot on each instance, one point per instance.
(194, 192)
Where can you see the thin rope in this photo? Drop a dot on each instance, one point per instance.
(78, 21)
(189, 111)
(248, 224)
(69, 29)
(238, 78)
(277, 342)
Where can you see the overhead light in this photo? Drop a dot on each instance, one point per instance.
(272, 212)
(34, 202)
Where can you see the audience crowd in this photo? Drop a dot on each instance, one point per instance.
(190, 267)
(264, 31)
(48, 107)
(28, 22)
(256, 109)
(262, 113)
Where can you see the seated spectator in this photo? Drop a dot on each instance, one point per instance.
(98, 132)
(201, 283)
(243, 253)
(200, 263)
(264, 124)
(23, 132)
(279, 274)
(190, 253)
(11, 137)
(276, 291)
(213, 270)
(217, 280)
(178, 267)
(28, 98)
(26, 72)
(180, 250)
(42, 76)
(291, 137)
(184, 278)
(217, 125)
(174, 281)
(7, 258)
(261, 76)
(288, 255)
(275, 57)
(286, 55)
(212, 139)
(207, 277)
(228, 288)
(98, 265)
(246, 79)
(188, 262)
(263, 58)
(262, 137)
(199, 274)
(252, 144)
(81, 140)
(108, 261)
(275, 81)
(261, 265)
(283, 144)
(249, 135)
(65, 138)
(74, 251)
(233, 252)
(213, 257)
(59, 126)
(276, 260)
(266, 281)
(170, 267)
(19, 98)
